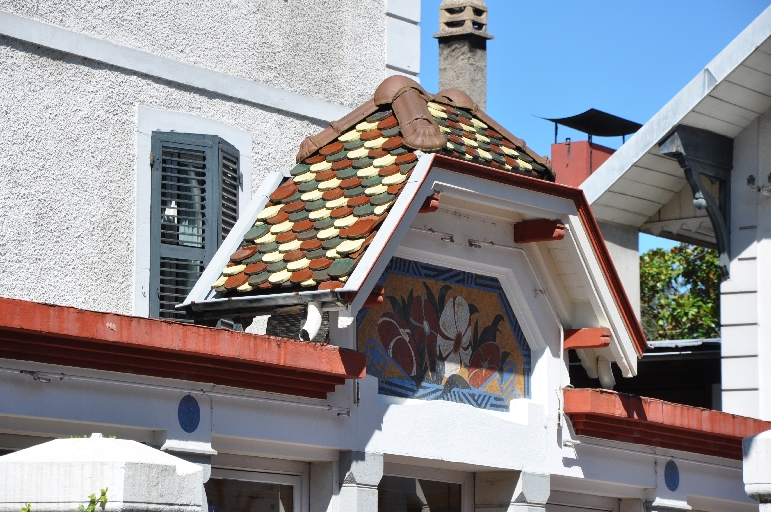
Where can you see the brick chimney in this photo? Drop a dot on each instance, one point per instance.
(463, 48)
(573, 162)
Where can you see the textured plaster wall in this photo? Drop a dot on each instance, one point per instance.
(331, 50)
(67, 170)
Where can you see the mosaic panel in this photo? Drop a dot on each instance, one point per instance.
(444, 334)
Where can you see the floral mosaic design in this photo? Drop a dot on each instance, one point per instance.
(444, 334)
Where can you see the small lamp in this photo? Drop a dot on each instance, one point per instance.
(751, 181)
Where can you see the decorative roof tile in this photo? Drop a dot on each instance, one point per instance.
(319, 222)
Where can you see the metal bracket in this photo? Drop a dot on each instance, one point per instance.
(700, 152)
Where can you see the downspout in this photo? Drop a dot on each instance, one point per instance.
(561, 390)
(312, 322)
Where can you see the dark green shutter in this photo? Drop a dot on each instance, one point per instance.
(194, 205)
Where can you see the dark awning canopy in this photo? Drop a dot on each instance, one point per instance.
(599, 123)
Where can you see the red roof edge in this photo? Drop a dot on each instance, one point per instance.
(587, 219)
(69, 336)
(632, 419)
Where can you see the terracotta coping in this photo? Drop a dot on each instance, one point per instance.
(632, 419)
(68, 336)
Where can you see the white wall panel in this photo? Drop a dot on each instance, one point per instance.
(739, 308)
(403, 45)
(739, 340)
(744, 403)
(407, 9)
(739, 372)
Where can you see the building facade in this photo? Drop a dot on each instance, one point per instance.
(101, 80)
(453, 275)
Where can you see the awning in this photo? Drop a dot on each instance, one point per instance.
(599, 123)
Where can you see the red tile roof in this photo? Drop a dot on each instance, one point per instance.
(620, 417)
(320, 221)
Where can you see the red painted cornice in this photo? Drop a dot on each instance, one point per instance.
(587, 219)
(632, 419)
(45, 333)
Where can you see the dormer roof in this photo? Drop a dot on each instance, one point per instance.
(319, 222)
(325, 233)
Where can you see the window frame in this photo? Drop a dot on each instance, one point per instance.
(264, 478)
(266, 470)
(466, 480)
(148, 121)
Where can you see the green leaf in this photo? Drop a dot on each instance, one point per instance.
(680, 293)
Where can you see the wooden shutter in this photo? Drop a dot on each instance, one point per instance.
(230, 179)
(194, 204)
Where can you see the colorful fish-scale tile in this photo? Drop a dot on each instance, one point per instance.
(319, 222)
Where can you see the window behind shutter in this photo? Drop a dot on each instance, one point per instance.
(194, 205)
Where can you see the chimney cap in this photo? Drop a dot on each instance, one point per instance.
(459, 17)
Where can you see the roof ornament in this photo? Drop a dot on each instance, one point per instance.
(408, 100)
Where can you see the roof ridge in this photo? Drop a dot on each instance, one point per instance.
(421, 131)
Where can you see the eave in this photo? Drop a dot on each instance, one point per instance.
(45, 333)
(724, 98)
(586, 217)
(632, 419)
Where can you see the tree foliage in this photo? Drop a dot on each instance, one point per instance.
(680, 293)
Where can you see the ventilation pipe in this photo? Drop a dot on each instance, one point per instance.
(313, 322)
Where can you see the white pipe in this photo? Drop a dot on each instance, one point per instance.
(312, 322)
(605, 372)
(561, 390)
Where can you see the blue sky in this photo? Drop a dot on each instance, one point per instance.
(559, 58)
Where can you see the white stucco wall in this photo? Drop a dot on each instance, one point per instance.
(333, 50)
(67, 176)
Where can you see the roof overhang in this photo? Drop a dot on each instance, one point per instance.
(45, 333)
(590, 247)
(632, 419)
(629, 339)
(724, 98)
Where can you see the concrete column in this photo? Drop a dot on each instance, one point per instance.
(513, 491)
(360, 474)
(202, 460)
(624, 250)
(757, 469)
(324, 486)
(60, 475)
